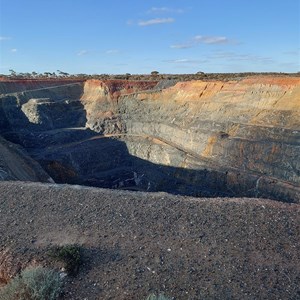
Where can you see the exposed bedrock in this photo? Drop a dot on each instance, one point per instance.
(14, 86)
(16, 164)
(235, 138)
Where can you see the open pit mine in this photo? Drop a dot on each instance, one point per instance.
(198, 138)
(156, 182)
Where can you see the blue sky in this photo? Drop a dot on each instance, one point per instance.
(135, 36)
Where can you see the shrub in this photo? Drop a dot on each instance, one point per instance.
(154, 73)
(33, 284)
(159, 297)
(70, 255)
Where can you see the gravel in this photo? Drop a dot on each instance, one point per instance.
(136, 243)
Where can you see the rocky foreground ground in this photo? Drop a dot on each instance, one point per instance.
(135, 243)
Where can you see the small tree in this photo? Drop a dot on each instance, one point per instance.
(154, 73)
(47, 74)
(13, 73)
(70, 255)
(63, 74)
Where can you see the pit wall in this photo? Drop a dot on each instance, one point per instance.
(247, 131)
(15, 86)
(239, 136)
(101, 102)
(42, 109)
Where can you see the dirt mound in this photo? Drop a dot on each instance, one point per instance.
(136, 243)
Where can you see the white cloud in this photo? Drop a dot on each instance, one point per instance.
(112, 51)
(82, 52)
(253, 58)
(156, 10)
(223, 54)
(181, 46)
(4, 38)
(211, 39)
(293, 53)
(231, 56)
(156, 21)
(14, 50)
(185, 61)
(203, 39)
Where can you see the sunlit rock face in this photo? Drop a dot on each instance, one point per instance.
(203, 138)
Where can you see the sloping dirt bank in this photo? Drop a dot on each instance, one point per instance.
(135, 243)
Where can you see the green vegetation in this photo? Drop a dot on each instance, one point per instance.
(70, 255)
(33, 284)
(154, 73)
(159, 297)
(153, 76)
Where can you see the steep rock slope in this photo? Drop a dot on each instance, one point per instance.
(240, 133)
(41, 109)
(16, 164)
(202, 138)
(100, 100)
(17, 85)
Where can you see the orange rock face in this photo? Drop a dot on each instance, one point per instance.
(238, 137)
(248, 129)
(256, 99)
(97, 89)
(100, 97)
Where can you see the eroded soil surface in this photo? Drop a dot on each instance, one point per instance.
(135, 243)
